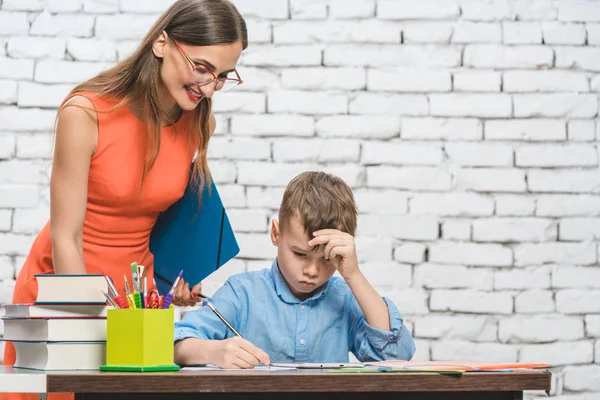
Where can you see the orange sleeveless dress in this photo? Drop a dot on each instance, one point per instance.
(121, 211)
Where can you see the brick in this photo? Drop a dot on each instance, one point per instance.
(241, 102)
(352, 174)
(264, 197)
(32, 94)
(534, 302)
(422, 351)
(410, 178)
(399, 153)
(504, 57)
(440, 276)
(567, 205)
(427, 32)
(491, 180)
(573, 105)
(233, 196)
(339, 150)
(568, 155)
(272, 125)
(388, 103)
(57, 6)
(259, 31)
(5, 221)
(568, 181)
(560, 33)
(258, 79)
(16, 69)
(281, 56)
(26, 119)
(18, 196)
(248, 220)
(578, 277)
(470, 105)
(222, 125)
(268, 9)
(398, 226)
(255, 246)
(15, 244)
(478, 254)
(123, 26)
(471, 301)
(405, 79)
(3, 44)
(585, 58)
(479, 154)
(535, 10)
(7, 146)
(30, 221)
(582, 378)
(268, 174)
(341, 9)
(494, 10)
(101, 6)
(7, 287)
(514, 205)
(545, 81)
(461, 327)
(367, 31)
(55, 71)
(63, 25)
(146, 7)
(35, 146)
(412, 253)
(7, 268)
(307, 102)
(456, 229)
(557, 354)
(239, 149)
(477, 81)
(477, 32)
(514, 230)
(519, 279)
(442, 129)
(581, 130)
(391, 274)
(540, 329)
(386, 201)
(308, 9)
(222, 172)
(451, 204)
(410, 301)
(463, 350)
(578, 11)
(543, 253)
(374, 249)
(521, 32)
(354, 126)
(8, 94)
(529, 130)
(92, 50)
(23, 5)
(35, 47)
(324, 78)
(592, 326)
(13, 23)
(392, 56)
(578, 229)
(597, 356)
(593, 34)
(425, 9)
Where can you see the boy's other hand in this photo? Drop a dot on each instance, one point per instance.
(236, 353)
(339, 249)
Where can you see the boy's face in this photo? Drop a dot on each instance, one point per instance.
(303, 269)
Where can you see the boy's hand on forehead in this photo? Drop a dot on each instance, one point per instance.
(339, 250)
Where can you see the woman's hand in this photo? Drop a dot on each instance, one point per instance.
(183, 296)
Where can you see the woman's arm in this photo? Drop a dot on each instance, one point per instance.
(76, 140)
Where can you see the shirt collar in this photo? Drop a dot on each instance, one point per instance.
(283, 291)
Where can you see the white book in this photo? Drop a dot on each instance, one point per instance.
(60, 356)
(55, 329)
(55, 310)
(71, 288)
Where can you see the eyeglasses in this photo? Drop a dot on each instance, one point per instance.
(201, 76)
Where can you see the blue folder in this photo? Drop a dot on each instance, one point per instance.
(197, 240)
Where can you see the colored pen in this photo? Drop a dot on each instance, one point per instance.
(118, 299)
(146, 292)
(222, 318)
(169, 297)
(129, 296)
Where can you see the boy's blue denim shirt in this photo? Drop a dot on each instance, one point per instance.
(322, 328)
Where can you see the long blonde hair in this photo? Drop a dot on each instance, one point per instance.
(136, 79)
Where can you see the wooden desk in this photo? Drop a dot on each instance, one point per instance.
(265, 385)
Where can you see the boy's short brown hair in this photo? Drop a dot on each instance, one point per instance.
(321, 201)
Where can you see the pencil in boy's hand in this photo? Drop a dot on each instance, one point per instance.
(218, 314)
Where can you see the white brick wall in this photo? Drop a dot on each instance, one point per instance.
(468, 130)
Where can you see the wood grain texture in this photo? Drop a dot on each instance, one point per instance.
(293, 381)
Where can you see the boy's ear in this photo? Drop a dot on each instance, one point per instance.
(274, 232)
(158, 46)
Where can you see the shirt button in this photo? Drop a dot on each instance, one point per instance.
(302, 308)
(302, 341)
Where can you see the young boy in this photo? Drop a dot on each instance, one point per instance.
(296, 311)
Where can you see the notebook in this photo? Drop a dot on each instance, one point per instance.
(199, 241)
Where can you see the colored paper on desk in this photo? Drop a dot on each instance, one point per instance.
(463, 365)
(369, 369)
(197, 240)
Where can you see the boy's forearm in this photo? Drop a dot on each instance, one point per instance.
(193, 351)
(372, 305)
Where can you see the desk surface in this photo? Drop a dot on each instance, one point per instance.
(296, 381)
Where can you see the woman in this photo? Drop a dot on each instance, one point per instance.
(125, 141)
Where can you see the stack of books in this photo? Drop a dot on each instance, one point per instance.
(65, 329)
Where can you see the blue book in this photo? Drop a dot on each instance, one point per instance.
(197, 240)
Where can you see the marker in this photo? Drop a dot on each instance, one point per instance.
(169, 297)
(129, 296)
